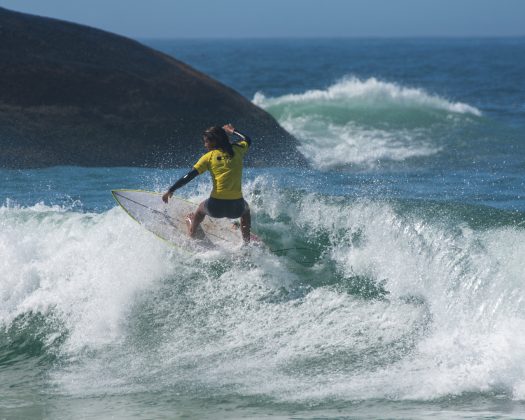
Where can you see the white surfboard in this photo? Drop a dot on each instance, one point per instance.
(168, 221)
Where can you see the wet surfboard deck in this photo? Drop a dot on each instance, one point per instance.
(170, 221)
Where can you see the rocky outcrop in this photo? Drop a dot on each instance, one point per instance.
(75, 95)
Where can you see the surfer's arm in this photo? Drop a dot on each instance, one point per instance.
(243, 137)
(180, 183)
(230, 129)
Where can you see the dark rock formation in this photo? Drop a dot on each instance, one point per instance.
(74, 95)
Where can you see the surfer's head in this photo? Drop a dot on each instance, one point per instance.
(216, 138)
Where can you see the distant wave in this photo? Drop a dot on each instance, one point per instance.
(330, 145)
(356, 122)
(354, 92)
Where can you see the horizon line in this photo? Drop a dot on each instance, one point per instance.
(312, 37)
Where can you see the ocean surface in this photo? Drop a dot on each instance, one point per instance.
(399, 288)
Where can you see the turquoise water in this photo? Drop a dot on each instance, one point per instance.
(405, 296)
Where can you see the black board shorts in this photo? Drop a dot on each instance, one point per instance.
(225, 208)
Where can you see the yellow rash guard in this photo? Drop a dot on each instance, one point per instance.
(226, 171)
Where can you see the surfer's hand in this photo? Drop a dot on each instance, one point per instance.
(167, 195)
(228, 128)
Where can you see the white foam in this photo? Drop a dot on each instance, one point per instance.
(370, 92)
(447, 328)
(365, 122)
(250, 324)
(328, 145)
(85, 268)
(471, 282)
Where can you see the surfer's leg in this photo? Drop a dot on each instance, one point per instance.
(246, 223)
(196, 219)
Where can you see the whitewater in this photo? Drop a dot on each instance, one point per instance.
(398, 293)
(364, 122)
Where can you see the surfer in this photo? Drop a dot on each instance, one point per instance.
(224, 160)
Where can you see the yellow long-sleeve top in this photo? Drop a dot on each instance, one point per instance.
(226, 171)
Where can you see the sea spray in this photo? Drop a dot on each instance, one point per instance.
(80, 266)
(140, 315)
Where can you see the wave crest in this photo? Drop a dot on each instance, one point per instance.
(372, 92)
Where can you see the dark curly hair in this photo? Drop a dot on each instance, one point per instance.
(218, 136)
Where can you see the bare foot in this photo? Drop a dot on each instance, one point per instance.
(189, 219)
(198, 233)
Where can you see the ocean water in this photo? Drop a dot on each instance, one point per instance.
(399, 293)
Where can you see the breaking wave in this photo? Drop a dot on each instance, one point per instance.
(366, 122)
(393, 300)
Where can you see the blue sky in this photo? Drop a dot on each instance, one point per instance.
(287, 18)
